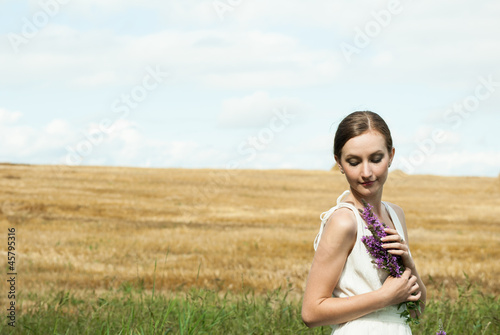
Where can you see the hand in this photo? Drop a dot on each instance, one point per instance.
(401, 289)
(396, 245)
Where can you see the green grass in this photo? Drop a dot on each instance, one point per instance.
(471, 312)
(129, 312)
(133, 311)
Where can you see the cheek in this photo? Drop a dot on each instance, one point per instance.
(350, 175)
(382, 169)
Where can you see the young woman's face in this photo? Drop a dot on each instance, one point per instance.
(365, 161)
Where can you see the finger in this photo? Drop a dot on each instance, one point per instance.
(391, 231)
(415, 297)
(406, 274)
(399, 252)
(412, 281)
(396, 252)
(391, 238)
(396, 245)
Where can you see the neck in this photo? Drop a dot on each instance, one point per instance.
(374, 199)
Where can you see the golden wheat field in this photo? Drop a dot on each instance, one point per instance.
(100, 228)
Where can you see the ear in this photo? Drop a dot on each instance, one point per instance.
(337, 160)
(391, 155)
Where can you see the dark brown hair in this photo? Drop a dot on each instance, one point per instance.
(356, 124)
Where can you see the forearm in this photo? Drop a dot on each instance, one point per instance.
(339, 310)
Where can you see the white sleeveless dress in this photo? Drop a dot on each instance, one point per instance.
(360, 276)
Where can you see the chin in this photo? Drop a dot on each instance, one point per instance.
(372, 189)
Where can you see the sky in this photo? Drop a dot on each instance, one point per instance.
(240, 84)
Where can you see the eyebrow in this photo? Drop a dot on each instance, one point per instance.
(378, 152)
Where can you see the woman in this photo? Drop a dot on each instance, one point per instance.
(344, 288)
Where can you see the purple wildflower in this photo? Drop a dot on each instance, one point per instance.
(441, 329)
(383, 259)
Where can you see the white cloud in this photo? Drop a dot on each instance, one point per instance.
(436, 134)
(453, 163)
(242, 53)
(16, 139)
(222, 58)
(320, 143)
(7, 117)
(57, 127)
(97, 79)
(126, 144)
(172, 11)
(254, 110)
(129, 145)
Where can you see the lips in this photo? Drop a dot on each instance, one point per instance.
(368, 183)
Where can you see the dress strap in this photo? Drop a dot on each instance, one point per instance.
(395, 220)
(342, 196)
(326, 215)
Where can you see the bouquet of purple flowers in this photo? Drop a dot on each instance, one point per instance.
(393, 264)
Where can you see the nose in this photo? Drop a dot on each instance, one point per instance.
(366, 171)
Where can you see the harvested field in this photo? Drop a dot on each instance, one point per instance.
(99, 228)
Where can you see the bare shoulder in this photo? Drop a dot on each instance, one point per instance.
(343, 219)
(341, 227)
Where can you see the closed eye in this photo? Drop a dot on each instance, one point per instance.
(377, 158)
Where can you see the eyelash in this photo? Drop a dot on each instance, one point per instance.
(376, 161)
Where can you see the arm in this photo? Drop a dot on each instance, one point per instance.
(319, 307)
(396, 247)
